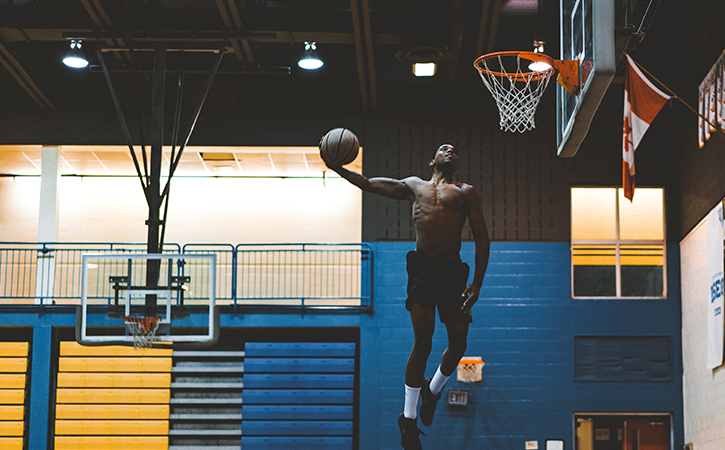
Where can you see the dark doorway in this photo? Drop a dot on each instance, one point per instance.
(622, 432)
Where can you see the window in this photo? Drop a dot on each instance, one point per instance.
(618, 247)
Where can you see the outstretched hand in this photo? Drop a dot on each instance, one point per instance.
(471, 296)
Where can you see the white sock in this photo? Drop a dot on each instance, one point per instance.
(411, 402)
(438, 381)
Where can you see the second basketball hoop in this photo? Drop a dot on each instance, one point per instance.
(517, 80)
(470, 369)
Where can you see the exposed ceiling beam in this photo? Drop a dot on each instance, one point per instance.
(103, 23)
(232, 22)
(21, 76)
(367, 33)
(483, 28)
(9, 35)
(487, 28)
(456, 41)
(359, 52)
(495, 16)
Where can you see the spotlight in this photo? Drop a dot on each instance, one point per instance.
(75, 58)
(310, 60)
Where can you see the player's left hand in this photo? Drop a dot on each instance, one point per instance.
(471, 296)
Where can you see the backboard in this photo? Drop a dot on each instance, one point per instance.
(178, 288)
(587, 35)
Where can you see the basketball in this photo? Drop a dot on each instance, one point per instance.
(339, 147)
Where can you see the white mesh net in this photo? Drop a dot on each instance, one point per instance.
(470, 370)
(517, 92)
(143, 329)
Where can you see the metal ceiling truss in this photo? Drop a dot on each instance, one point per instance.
(108, 37)
(21, 76)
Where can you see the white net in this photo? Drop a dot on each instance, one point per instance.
(517, 92)
(143, 329)
(470, 370)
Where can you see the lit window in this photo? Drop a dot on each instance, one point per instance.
(618, 247)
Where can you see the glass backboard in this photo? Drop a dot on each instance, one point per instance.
(588, 36)
(178, 289)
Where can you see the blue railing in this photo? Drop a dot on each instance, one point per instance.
(325, 276)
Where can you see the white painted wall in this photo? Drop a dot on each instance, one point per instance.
(201, 210)
(19, 208)
(703, 389)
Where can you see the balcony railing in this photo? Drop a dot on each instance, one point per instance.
(322, 276)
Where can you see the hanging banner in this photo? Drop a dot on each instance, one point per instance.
(711, 101)
(715, 335)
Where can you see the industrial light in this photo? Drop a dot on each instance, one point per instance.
(538, 66)
(75, 58)
(310, 60)
(427, 69)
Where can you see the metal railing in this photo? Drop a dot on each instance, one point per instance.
(329, 276)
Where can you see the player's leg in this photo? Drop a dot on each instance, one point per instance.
(431, 389)
(423, 326)
(457, 343)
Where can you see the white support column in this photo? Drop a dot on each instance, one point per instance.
(47, 223)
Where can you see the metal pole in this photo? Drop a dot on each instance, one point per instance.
(154, 186)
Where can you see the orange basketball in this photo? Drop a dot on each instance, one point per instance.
(339, 147)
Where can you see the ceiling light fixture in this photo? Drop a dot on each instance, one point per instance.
(75, 58)
(424, 69)
(538, 66)
(310, 60)
(423, 60)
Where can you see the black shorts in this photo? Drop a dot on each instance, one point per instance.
(438, 282)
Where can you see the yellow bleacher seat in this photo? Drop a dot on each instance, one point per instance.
(11, 443)
(14, 365)
(69, 348)
(12, 381)
(112, 398)
(75, 411)
(64, 395)
(12, 412)
(114, 364)
(14, 349)
(114, 380)
(112, 427)
(12, 396)
(111, 443)
(12, 428)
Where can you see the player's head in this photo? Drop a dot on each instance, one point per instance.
(444, 157)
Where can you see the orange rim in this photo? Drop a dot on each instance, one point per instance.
(529, 56)
(471, 361)
(146, 324)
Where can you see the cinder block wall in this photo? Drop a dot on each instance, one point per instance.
(524, 327)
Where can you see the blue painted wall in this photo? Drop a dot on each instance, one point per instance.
(523, 326)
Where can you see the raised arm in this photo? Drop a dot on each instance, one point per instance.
(483, 246)
(388, 187)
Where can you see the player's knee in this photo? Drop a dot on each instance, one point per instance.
(422, 346)
(459, 349)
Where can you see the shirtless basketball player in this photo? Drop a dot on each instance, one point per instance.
(436, 275)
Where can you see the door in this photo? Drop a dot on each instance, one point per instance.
(646, 434)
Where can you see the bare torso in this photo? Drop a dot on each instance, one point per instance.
(439, 211)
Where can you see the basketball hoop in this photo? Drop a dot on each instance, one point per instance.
(517, 90)
(470, 369)
(143, 329)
